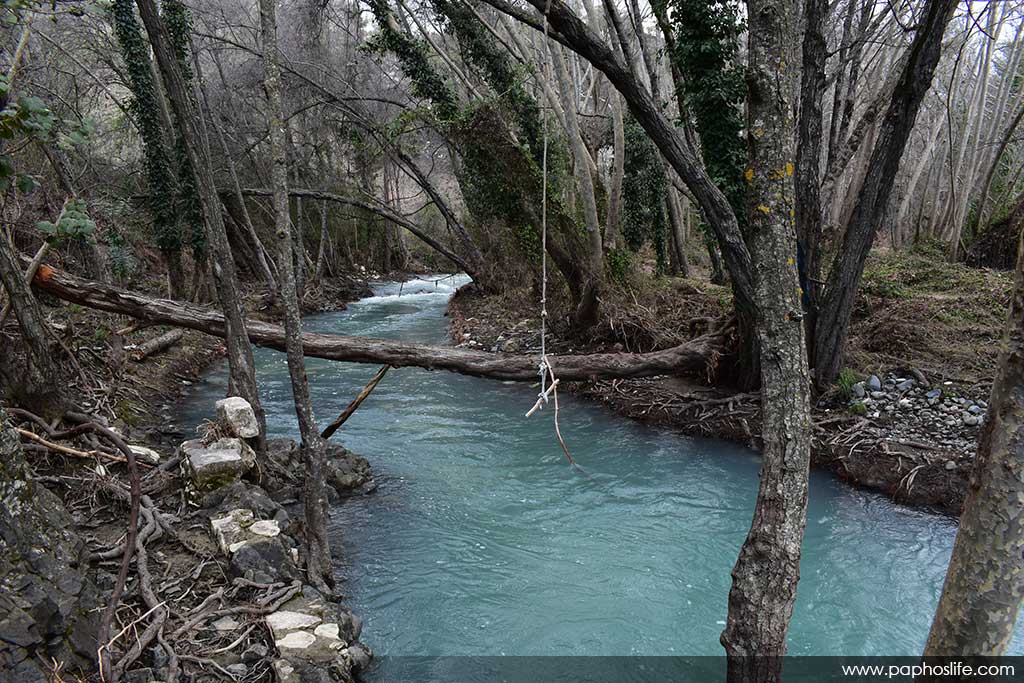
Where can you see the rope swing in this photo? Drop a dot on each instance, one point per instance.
(545, 369)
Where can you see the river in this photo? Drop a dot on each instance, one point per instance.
(481, 540)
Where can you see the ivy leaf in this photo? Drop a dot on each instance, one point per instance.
(26, 183)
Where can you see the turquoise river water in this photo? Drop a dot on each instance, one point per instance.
(480, 541)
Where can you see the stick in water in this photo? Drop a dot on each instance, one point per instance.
(351, 408)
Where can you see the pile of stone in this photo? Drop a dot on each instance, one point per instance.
(944, 416)
(316, 639)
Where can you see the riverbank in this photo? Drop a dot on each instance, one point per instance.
(218, 558)
(905, 418)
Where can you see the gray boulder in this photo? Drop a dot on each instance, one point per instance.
(873, 383)
(48, 599)
(210, 466)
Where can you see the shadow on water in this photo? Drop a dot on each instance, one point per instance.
(480, 541)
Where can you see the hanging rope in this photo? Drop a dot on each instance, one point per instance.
(545, 370)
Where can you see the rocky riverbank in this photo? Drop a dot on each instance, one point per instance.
(218, 546)
(893, 429)
(217, 586)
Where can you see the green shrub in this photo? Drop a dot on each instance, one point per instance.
(847, 378)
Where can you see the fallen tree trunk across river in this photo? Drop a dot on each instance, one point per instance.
(692, 357)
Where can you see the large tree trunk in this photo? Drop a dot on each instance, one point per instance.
(694, 356)
(37, 383)
(314, 448)
(844, 279)
(985, 583)
(768, 568)
(242, 376)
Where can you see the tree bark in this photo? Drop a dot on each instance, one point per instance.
(808, 149)
(37, 384)
(694, 356)
(314, 448)
(677, 223)
(833, 322)
(768, 568)
(242, 376)
(984, 586)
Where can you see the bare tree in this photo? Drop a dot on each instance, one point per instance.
(314, 448)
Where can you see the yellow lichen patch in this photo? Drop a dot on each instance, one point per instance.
(764, 209)
(749, 174)
(789, 168)
(789, 261)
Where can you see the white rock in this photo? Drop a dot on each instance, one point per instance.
(296, 640)
(266, 527)
(284, 620)
(233, 548)
(145, 454)
(236, 415)
(225, 624)
(229, 531)
(329, 631)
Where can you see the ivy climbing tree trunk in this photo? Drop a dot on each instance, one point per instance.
(985, 583)
(314, 448)
(766, 574)
(241, 368)
(146, 108)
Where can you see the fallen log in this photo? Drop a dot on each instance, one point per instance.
(157, 344)
(694, 356)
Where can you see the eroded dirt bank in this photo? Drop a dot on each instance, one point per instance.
(904, 418)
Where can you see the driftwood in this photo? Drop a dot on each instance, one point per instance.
(354, 405)
(694, 356)
(157, 344)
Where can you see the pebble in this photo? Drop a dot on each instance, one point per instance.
(910, 409)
